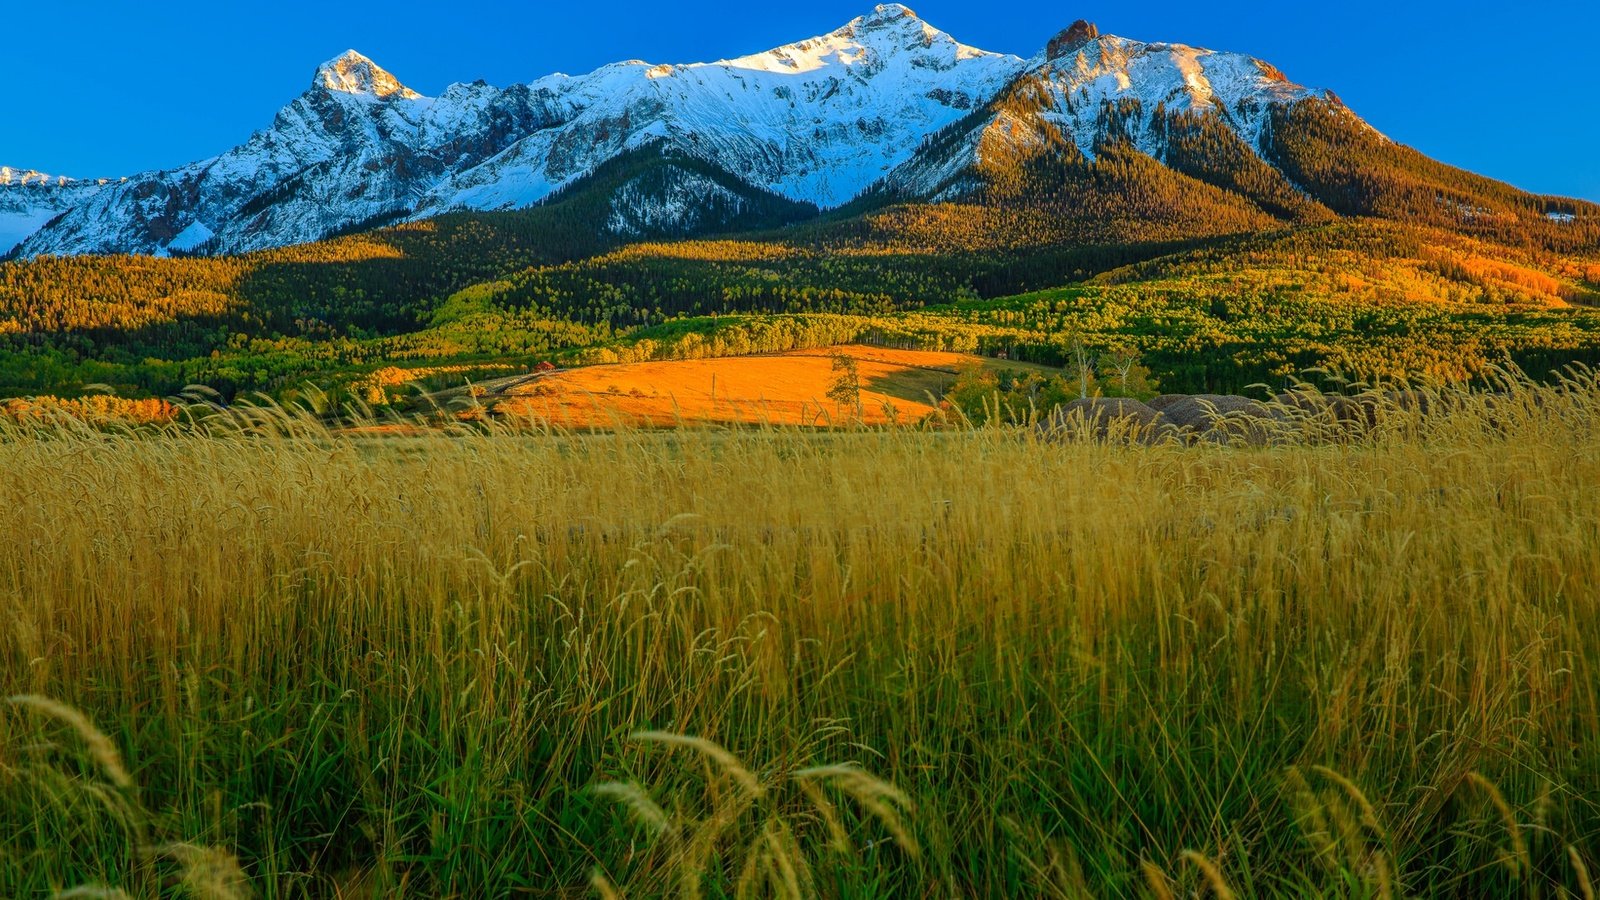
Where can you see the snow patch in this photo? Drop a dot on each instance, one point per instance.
(18, 226)
(30, 200)
(191, 237)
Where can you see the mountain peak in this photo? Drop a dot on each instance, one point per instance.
(891, 30)
(352, 73)
(887, 14)
(1078, 35)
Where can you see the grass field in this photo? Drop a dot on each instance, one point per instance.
(779, 389)
(769, 662)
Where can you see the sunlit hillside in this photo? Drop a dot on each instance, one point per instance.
(461, 295)
(880, 386)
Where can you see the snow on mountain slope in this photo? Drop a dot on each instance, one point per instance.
(356, 148)
(817, 121)
(1086, 71)
(29, 200)
(1087, 87)
(820, 121)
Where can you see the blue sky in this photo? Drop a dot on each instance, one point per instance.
(110, 88)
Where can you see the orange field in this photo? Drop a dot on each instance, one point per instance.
(780, 389)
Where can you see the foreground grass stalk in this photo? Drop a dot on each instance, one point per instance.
(489, 661)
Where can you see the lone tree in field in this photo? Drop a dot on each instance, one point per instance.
(1082, 364)
(846, 389)
(1124, 368)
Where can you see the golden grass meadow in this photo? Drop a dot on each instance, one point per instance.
(251, 656)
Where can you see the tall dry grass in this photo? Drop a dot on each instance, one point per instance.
(879, 663)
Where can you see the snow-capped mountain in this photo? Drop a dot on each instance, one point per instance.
(817, 121)
(1085, 88)
(356, 147)
(820, 121)
(29, 200)
(1082, 74)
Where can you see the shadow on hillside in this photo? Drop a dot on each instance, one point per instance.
(387, 280)
(912, 385)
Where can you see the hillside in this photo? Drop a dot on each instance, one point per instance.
(1217, 314)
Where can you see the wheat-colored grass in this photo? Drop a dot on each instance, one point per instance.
(960, 663)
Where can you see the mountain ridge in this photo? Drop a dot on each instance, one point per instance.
(823, 121)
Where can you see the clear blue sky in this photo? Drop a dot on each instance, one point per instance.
(111, 88)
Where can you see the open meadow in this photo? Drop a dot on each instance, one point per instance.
(891, 386)
(250, 656)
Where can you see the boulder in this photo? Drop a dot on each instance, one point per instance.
(1331, 413)
(1166, 400)
(1224, 419)
(1107, 419)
